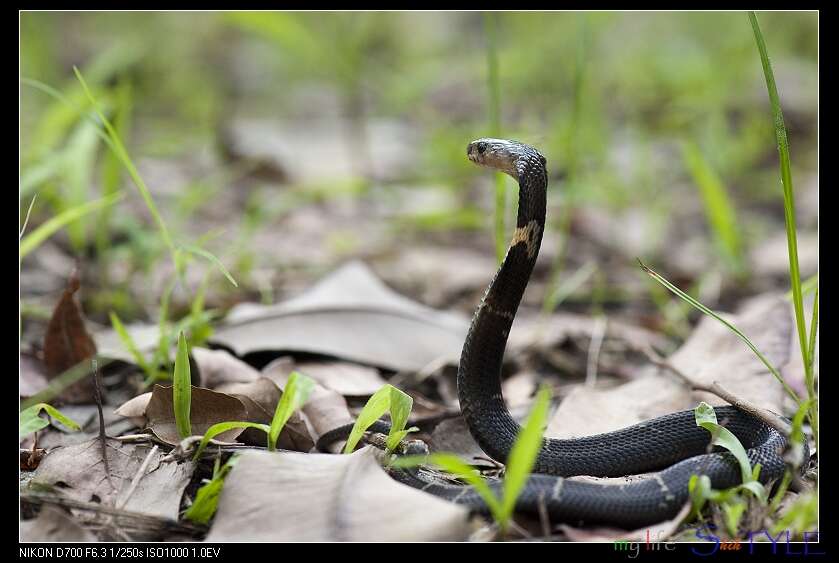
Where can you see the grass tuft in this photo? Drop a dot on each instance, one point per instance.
(807, 350)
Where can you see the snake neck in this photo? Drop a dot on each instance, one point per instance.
(479, 373)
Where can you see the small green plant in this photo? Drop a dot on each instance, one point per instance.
(519, 465)
(296, 393)
(158, 365)
(733, 501)
(182, 391)
(388, 398)
(706, 417)
(206, 499)
(30, 421)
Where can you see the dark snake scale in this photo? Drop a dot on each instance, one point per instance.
(672, 446)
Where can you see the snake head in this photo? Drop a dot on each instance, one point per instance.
(503, 155)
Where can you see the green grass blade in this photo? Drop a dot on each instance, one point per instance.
(221, 427)
(808, 286)
(26, 219)
(789, 204)
(206, 499)
(699, 306)
(198, 251)
(719, 209)
(814, 326)
(129, 343)
(30, 421)
(400, 409)
(34, 239)
(706, 417)
(377, 405)
(296, 393)
(122, 153)
(523, 453)
(182, 392)
(111, 167)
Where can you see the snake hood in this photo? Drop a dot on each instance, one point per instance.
(511, 157)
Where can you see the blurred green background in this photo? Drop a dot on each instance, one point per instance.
(285, 143)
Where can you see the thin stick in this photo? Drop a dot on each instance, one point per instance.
(138, 518)
(598, 332)
(140, 474)
(715, 388)
(103, 438)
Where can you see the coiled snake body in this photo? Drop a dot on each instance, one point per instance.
(672, 445)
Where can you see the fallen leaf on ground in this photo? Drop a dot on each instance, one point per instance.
(80, 472)
(219, 366)
(135, 409)
(260, 398)
(440, 275)
(321, 497)
(714, 353)
(711, 353)
(67, 343)
(350, 380)
(352, 315)
(145, 337)
(207, 408)
(587, 411)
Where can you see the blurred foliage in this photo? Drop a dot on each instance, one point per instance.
(610, 98)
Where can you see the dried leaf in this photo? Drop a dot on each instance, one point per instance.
(320, 497)
(260, 398)
(711, 353)
(135, 409)
(352, 315)
(350, 380)
(79, 471)
(208, 408)
(219, 366)
(714, 353)
(68, 343)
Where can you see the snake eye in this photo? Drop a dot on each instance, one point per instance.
(482, 147)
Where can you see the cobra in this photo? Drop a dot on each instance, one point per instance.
(670, 448)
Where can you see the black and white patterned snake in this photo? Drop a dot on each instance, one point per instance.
(672, 447)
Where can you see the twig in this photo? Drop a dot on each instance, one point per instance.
(103, 438)
(715, 388)
(139, 519)
(598, 332)
(136, 480)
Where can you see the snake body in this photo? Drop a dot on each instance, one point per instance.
(671, 446)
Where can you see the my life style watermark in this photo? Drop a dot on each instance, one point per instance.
(780, 544)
